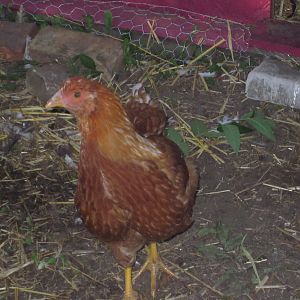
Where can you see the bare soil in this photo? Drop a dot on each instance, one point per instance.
(247, 212)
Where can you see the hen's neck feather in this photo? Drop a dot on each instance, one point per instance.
(109, 127)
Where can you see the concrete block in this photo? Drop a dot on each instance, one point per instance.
(276, 82)
(54, 43)
(44, 81)
(13, 39)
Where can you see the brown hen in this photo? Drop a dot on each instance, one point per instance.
(134, 185)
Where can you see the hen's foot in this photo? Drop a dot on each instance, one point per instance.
(130, 293)
(154, 264)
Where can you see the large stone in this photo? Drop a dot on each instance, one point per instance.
(274, 81)
(13, 39)
(44, 81)
(53, 43)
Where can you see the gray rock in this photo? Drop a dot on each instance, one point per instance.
(13, 39)
(44, 81)
(56, 44)
(276, 82)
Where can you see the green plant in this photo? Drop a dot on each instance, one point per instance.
(28, 240)
(263, 125)
(82, 64)
(225, 243)
(27, 230)
(58, 21)
(11, 14)
(255, 119)
(10, 86)
(4, 209)
(107, 18)
(43, 263)
(12, 75)
(228, 128)
(177, 138)
(215, 67)
(49, 261)
(128, 51)
(89, 23)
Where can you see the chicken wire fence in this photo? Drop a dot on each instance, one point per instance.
(167, 31)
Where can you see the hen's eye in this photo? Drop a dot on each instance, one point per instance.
(77, 94)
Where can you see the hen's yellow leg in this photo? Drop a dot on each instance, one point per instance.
(129, 294)
(153, 264)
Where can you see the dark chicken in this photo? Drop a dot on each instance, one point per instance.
(134, 186)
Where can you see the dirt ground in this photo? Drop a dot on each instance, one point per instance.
(247, 213)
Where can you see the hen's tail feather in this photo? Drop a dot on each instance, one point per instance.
(139, 94)
(146, 116)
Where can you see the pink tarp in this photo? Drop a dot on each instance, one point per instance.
(202, 22)
(243, 11)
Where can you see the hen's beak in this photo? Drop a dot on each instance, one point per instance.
(56, 100)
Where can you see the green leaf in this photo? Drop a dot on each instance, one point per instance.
(107, 16)
(207, 231)
(232, 135)
(263, 126)
(63, 260)
(212, 134)
(233, 243)
(244, 65)
(87, 61)
(89, 23)
(12, 15)
(198, 127)
(57, 21)
(128, 53)
(40, 20)
(51, 261)
(28, 240)
(176, 137)
(31, 62)
(11, 86)
(12, 77)
(82, 65)
(4, 209)
(34, 257)
(215, 68)
(29, 220)
(247, 115)
(211, 250)
(248, 255)
(260, 115)
(242, 129)
(222, 233)
(210, 81)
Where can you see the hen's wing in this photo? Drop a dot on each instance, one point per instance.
(161, 196)
(146, 116)
(158, 195)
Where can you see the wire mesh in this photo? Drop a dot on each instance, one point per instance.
(148, 25)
